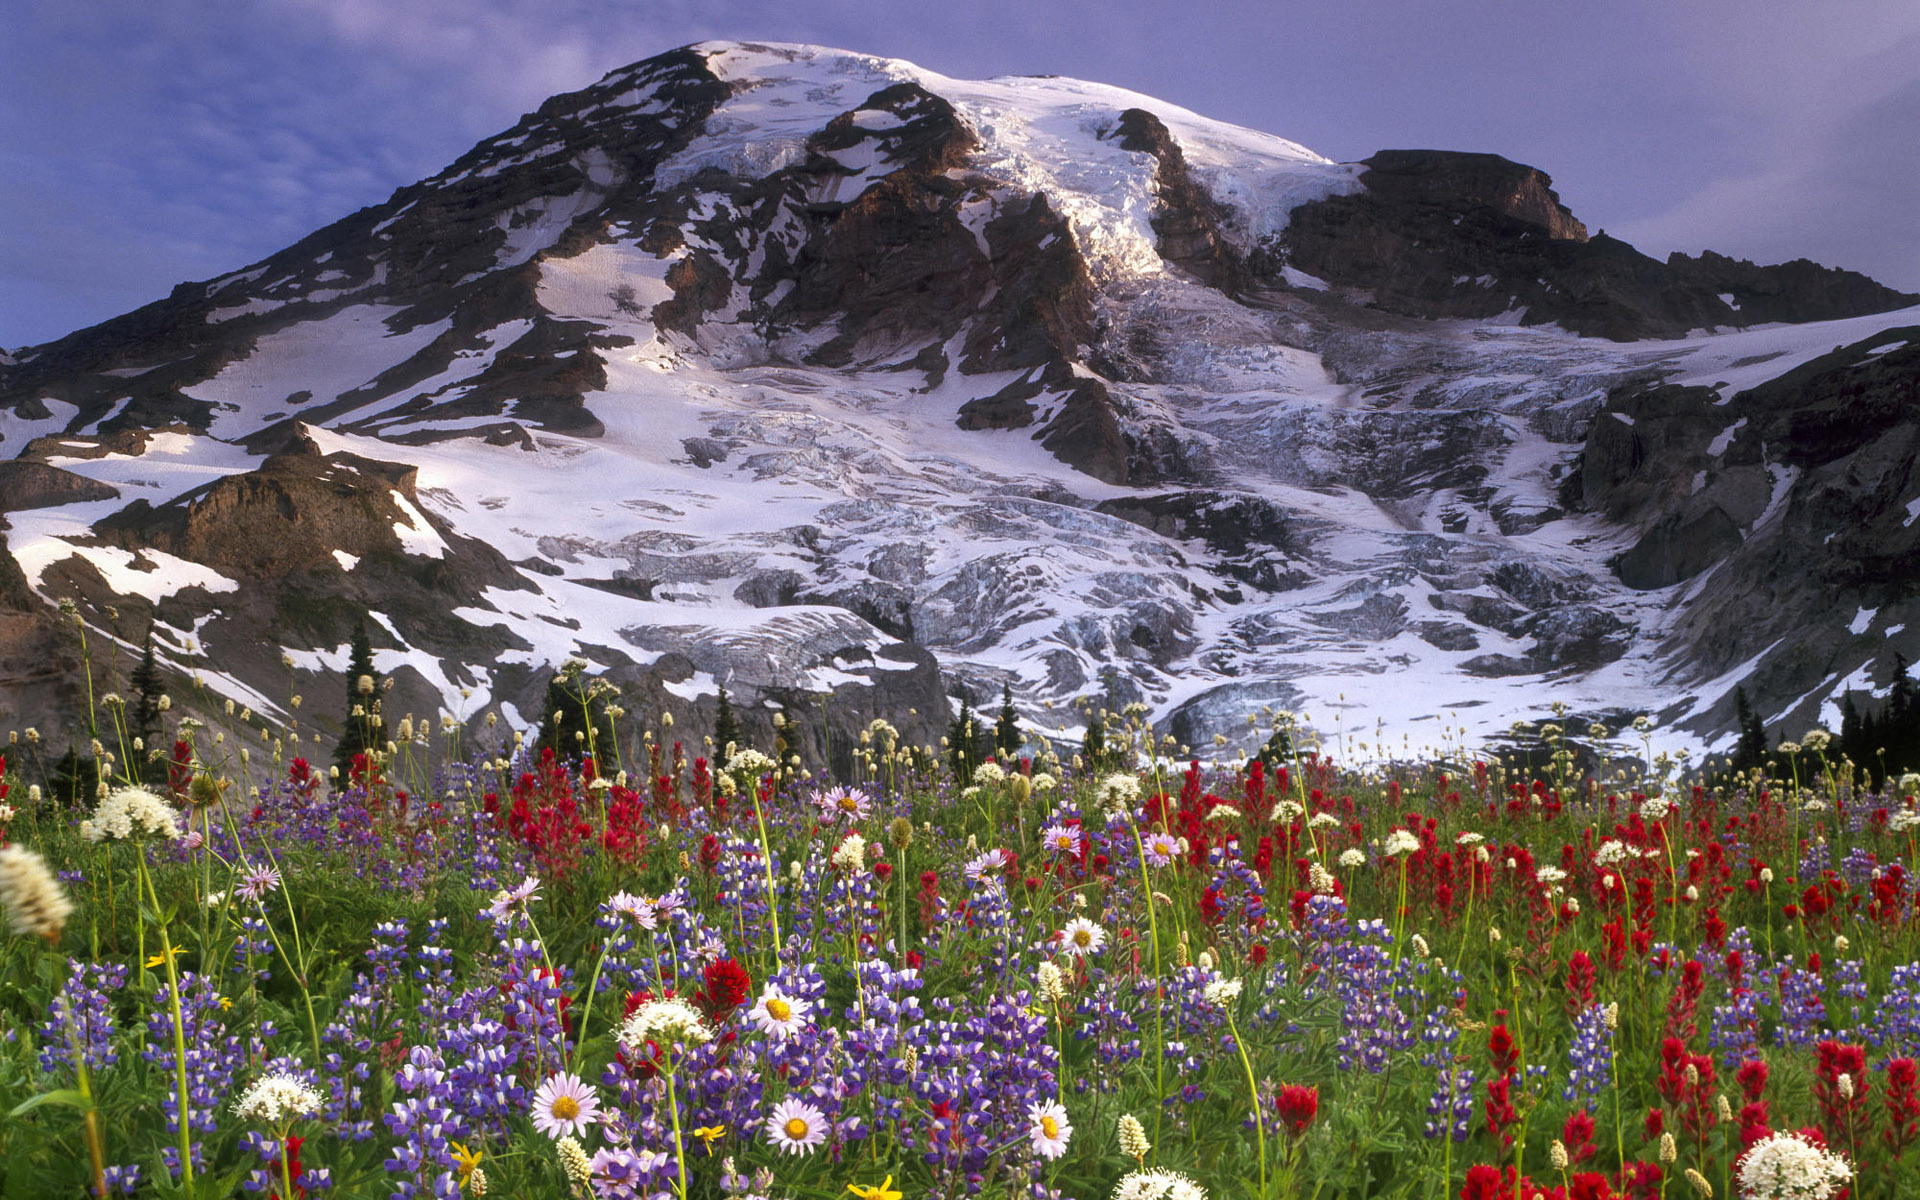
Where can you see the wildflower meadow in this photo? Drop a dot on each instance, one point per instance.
(671, 969)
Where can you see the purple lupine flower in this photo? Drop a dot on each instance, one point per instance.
(1734, 1027)
(214, 1057)
(1803, 1008)
(85, 1000)
(1896, 1020)
(421, 1125)
(1450, 1108)
(1590, 1058)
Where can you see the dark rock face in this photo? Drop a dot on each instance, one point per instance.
(27, 484)
(1792, 291)
(1439, 234)
(1794, 494)
(433, 249)
(1188, 220)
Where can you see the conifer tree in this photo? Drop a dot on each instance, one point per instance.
(1093, 747)
(963, 742)
(1900, 724)
(575, 720)
(726, 730)
(363, 728)
(1751, 750)
(1007, 737)
(145, 724)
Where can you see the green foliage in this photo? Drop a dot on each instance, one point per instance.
(726, 729)
(1093, 747)
(575, 719)
(143, 718)
(966, 741)
(1007, 738)
(1277, 752)
(362, 726)
(1751, 752)
(74, 779)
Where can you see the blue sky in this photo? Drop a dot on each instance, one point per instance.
(166, 140)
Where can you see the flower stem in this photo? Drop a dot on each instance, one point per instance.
(1253, 1095)
(679, 1147)
(179, 1024)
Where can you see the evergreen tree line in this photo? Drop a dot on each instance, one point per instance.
(1880, 739)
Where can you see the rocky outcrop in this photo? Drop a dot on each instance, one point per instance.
(1800, 290)
(1187, 220)
(27, 484)
(1441, 234)
(1791, 505)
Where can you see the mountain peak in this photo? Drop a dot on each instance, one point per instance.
(798, 370)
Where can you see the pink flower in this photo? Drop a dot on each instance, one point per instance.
(564, 1106)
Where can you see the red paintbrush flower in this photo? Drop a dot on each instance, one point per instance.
(1297, 1107)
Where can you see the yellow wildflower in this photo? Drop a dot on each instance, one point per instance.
(883, 1192)
(710, 1134)
(467, 1159)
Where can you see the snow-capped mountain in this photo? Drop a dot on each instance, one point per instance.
(807, 372)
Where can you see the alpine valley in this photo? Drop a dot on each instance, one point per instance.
(813, 374)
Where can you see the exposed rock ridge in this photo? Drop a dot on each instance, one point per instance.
(1441, 234)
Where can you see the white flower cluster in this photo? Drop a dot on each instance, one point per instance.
(1119, 792)
(1351, 858)
(1157, 1183)
(851, 854)
(1221, 992)
(989, 775)
(751, 762)
(1053, 985)
(1401, 842)
(1784, 1167)
(126, 811)
(1319, 880)
(1043, 781)
(1904, 820)
(664, 1021)
(35, 903)
(276, 1099)
(1611, 852)
(1656, 808)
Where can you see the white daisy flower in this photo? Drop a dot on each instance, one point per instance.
(1081, 937)
(779, 1015)
(796, 1127)
(1161, 849)
(1048, 1129)
(986, 866)
(507, 899)
(847, 805)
